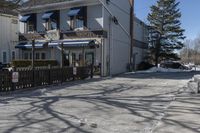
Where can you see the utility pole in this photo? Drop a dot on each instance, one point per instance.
(131, 32)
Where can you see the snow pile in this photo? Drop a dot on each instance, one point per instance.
(160, 69)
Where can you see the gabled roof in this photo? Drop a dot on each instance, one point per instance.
(41, 2)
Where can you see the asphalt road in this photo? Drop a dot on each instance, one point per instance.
(129, 103)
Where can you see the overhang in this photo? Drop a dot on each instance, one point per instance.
(28, 45)
(73, 43)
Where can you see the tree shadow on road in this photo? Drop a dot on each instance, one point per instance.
(50, 112)
(171, 76)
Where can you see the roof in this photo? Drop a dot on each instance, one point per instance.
(8, 11)
(41, 2)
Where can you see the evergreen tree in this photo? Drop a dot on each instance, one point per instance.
(166, 34)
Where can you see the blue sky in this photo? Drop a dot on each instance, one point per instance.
(190, 14)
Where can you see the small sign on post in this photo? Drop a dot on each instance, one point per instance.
(74, 70)
(15, 77)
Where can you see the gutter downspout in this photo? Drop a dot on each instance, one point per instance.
(131, 34)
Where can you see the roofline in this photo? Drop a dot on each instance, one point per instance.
(57, 6)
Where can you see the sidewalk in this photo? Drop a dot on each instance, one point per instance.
(182, 116)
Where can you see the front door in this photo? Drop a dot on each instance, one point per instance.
(89, 59)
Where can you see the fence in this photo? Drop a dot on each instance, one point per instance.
(40, 77)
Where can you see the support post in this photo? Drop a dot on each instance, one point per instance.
(62, 55)
(62, 62)
(33, 63)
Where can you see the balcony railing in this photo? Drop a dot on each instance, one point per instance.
(56, 35)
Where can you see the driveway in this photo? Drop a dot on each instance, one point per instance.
(129, 103)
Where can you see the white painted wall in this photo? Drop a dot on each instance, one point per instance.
(94, 17)
(8, 36)
(118, 48)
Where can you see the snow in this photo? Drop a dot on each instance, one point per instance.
(160, 69)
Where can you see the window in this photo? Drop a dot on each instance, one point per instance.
(77, 23)
(30, 27)
(43, 56)
(37, 56)
(13, 55)
(4, 57)
(26, 56)
(74, 59)
(52, 25)
(30, 56)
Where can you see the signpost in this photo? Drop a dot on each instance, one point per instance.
(15, 77)
(74, 70)
(33, 62)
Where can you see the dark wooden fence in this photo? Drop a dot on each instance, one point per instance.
(41, 77)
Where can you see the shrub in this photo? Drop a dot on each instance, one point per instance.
(38, 63)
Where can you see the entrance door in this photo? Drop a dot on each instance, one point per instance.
(89, 59)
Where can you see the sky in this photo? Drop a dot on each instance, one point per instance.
(190, 15)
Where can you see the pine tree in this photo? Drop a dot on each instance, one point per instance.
(166, 34)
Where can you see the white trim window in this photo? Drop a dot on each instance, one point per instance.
(4, 57)
(26, 55)
(43, 56)
(13, 55)
(37, 56)
(30, 27)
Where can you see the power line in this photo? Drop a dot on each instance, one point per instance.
(120, 8)
(122, 27)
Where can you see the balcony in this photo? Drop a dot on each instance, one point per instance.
(84, 34)
(31, 36)
(56, 35)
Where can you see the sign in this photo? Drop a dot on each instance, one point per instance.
(15, 77)
(74, 70)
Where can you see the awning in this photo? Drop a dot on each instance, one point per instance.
(73, 43)
(28, 45)
(47, 15)
(74, 12)
(25, 18)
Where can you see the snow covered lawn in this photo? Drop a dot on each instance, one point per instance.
(160, 69)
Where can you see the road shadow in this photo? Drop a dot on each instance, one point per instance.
(172, 76)
(183, 115)
(42, 110)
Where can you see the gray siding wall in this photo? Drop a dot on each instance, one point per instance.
(8, 37)
(40, 23)
(118, 47)
(64, 20)
(94, 16)
(140, 31)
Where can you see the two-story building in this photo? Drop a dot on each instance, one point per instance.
(84, 32)
(8, 35)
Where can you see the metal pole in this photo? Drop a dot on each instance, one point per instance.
(62, 55)
(62, 62)
(131, 33)
(33, 62)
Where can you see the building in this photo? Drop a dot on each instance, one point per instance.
(141, 33)
(82, 32)
(8, 35)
